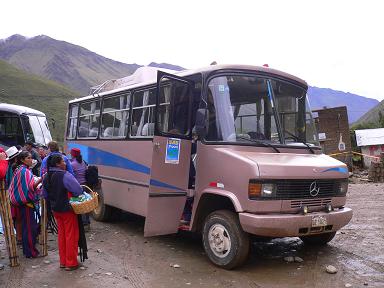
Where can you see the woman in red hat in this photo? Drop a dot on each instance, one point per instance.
(79, 168)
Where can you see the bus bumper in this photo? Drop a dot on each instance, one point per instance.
(291, 225)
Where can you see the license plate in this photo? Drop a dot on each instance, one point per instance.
(319, 221)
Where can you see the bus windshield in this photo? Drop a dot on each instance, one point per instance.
(243, 108)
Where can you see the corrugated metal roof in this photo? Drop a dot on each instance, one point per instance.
(369, 137)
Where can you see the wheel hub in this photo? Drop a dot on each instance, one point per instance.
(219, 240)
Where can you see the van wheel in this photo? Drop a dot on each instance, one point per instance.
(318, 240)
(225, 242)
(102, 212)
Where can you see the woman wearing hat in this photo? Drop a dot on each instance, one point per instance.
(11, 156)
(23, 195)
(79, 168)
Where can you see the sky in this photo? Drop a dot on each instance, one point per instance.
(331, 44)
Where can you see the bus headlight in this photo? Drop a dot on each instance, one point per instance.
(261, 190)
(343, 188)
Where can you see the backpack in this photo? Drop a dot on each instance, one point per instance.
(92, 176)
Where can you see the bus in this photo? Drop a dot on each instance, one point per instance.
(19, 124)
(228, 151)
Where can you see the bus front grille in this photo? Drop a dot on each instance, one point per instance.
(307, 189)
(310, 203)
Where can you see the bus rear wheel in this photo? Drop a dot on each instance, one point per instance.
(318, 240)
(102, 212)
(225, 242)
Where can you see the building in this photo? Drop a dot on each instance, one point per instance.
(371, 142)
(334, 136)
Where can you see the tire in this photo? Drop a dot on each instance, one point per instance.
(225, 242)
(102, 212)
(318, 240)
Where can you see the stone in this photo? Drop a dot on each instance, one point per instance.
(108, 273)
(98, 251)
(2, 266)
(47, 261)
(348, 285)
(331, 269)
(298, 259)
(34, 267)
(176, 266)
(289, 259)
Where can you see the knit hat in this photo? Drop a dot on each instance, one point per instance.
(75, 152)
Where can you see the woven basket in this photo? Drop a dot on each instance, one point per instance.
(86, 206)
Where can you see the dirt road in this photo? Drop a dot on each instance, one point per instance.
(121, 257)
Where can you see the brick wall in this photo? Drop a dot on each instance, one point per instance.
(333, 122)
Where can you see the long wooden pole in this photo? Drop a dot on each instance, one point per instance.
(9, 232)
(43, 227)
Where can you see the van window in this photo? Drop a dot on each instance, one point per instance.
(114, 119)
(72, 122)
(11, 132)
(143, 113)
(173, 115)
(89, 119)
(240, 109)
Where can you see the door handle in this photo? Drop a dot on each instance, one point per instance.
(156, 144)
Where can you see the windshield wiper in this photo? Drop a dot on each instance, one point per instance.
(299, 140)
(265, 144)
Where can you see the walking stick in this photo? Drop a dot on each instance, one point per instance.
(9, 232)
(43, 227)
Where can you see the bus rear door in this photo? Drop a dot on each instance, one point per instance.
(171, 155)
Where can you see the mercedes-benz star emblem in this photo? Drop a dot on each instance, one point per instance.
(313, 189)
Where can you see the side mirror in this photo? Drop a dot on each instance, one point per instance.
(201, 122)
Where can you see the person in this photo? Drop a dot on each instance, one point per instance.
(53, 149)
(58, 183)
(3, 164)
(12, 154)
(42, 152)
(29, 146)
(23, 196)
(79, 169)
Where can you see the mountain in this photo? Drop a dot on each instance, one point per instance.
(63, 62)
(325, 97)
(372, 116)
(21, 88)
(80, 69)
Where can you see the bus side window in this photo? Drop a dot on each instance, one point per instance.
(143, 113)
(89, 119)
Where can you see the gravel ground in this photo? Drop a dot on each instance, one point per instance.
(121, 257)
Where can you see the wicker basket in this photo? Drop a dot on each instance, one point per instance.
(86, 206)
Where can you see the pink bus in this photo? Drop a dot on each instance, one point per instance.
(228, 151)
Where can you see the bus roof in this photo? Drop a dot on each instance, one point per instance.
(148, 75)
(19, 110)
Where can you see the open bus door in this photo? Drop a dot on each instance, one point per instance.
(171, 155)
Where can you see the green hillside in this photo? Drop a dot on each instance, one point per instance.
(21, 88)
(373, 118)
(63, 62)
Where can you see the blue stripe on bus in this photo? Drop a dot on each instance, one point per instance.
(337, 169)
(96, 156)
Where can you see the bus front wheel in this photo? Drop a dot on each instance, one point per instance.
(225, 242)
(102, 212)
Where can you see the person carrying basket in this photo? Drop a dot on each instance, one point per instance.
(59, 185)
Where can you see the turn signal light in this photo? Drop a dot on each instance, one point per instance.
(254, 190)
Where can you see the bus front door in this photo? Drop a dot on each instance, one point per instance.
(171, 156)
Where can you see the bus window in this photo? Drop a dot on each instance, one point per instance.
(114, 117)
(11, 132)
(89, 119)
(33, 131)
(239, 110)
(45, 128)
(143, 113)
(72, 124)
(174, 100)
